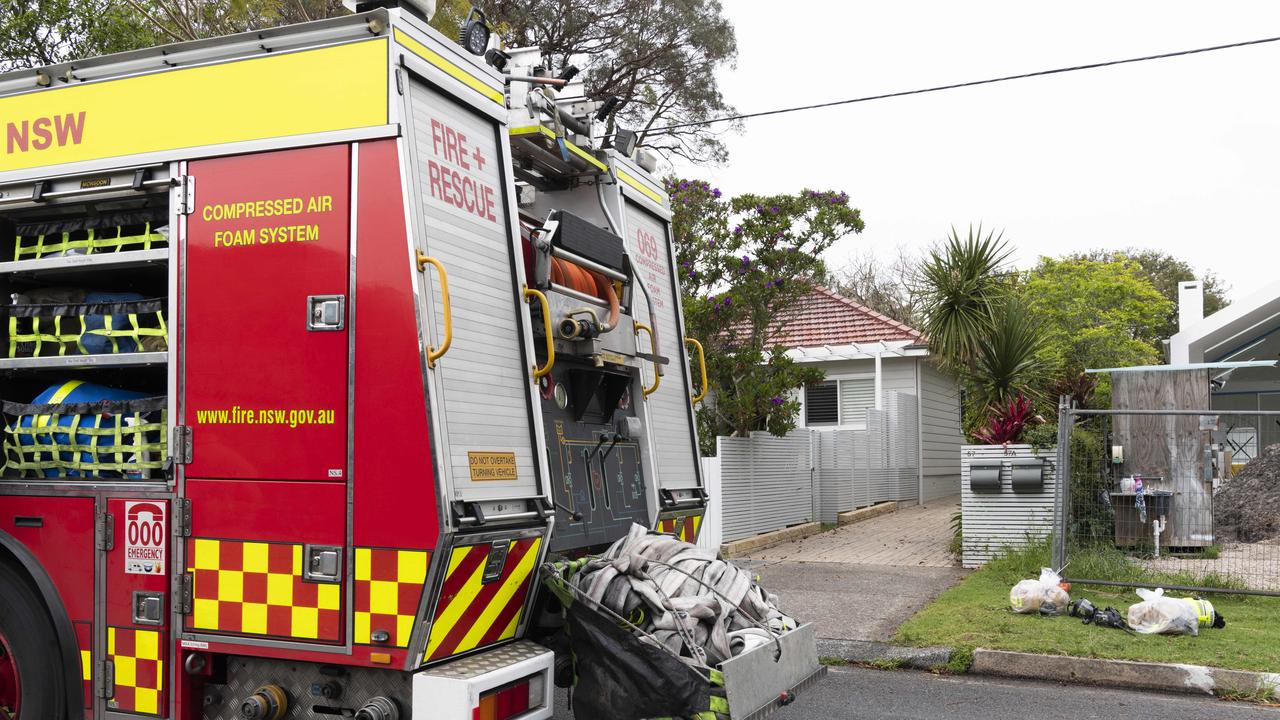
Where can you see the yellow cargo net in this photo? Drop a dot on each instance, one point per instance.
(113, 238)
(109, 438)
(87, 328)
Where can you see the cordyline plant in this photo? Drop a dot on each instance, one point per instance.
(743, 264)
(1005, 425)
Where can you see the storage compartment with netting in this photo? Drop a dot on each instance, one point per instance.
(84, 323)
(90, 234)
(79, 430)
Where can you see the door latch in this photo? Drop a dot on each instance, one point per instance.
(495, 562)
(148, 608)
(326, 312)
(323, 564)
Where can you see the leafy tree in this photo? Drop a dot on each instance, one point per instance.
(1096, 313)
(37, 33)
(178, 20)
(45, 32)
(1164, 271)
(660, 58)
(744, 264)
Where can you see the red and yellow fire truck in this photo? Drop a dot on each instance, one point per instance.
(320, 340)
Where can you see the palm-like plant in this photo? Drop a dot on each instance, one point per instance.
(1010, 361)
(962, 291)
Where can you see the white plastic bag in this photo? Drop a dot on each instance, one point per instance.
(1157, 614)
(1043, 595)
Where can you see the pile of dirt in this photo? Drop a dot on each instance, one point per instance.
(1250, 502)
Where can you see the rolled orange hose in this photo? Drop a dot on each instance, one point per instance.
(587, 282)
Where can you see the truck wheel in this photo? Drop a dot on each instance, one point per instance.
(31, 682)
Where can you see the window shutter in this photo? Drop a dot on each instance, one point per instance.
(820, 404)
(856, 397)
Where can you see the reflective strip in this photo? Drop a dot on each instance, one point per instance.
(684, 527)
(644, 189)
(548, 132)
(138, 670)
(271, 96)
(448, 67)
(59, 396)
(257, 588)
(388, 587)
(471, 613)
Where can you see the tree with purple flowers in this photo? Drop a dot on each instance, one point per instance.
(744, 264)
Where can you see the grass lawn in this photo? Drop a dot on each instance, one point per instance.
(975, 613)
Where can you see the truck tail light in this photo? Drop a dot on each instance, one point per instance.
(511, 700)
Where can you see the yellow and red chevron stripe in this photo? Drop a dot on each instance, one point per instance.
(388, 587)
(684, 527)
(472, 613)
(138, 659)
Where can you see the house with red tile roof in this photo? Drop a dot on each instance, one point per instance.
(867, 357)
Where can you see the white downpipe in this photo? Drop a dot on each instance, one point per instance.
(879, 384)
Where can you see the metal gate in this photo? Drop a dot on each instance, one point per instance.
(1151, 499)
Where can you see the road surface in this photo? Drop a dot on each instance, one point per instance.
(853, 692)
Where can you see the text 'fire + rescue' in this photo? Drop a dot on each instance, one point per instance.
(458, 188)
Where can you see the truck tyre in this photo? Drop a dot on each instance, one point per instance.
(31, 682)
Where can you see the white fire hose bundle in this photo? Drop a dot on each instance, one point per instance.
(703, 609)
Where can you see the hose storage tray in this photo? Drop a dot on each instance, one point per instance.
(102, 439)
(642, 646)
(40, 330)
(766, 677)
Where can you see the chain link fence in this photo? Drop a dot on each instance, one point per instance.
(1157, 498)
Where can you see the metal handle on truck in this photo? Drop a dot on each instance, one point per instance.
(702, 366)
(434, 354)
(653, 348)
(540, 372)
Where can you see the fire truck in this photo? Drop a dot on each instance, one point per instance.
(320, 340)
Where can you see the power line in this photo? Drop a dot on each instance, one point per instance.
(938, 88)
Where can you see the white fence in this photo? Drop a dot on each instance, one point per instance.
(998, 519)
(768, 483)
(711, 532)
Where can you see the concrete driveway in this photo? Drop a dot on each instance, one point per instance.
(861, 581)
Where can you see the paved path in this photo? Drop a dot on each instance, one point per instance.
(914, 536)
(861, 581)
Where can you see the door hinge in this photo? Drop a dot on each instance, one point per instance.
(186, 604)
(182, 444)
(105, 673)
(182, 517)
(104, 531)
(186, 191)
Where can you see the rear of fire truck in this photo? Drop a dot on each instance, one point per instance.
(320, 340)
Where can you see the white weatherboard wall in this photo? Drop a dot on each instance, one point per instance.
(940, 433)
(994, 521)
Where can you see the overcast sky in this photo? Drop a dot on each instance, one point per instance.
(1177, 154)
